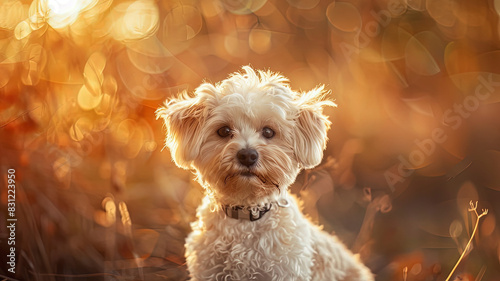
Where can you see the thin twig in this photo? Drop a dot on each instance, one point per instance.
(472, 208)
(18, 116)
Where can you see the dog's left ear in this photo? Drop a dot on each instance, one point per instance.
(311, 127)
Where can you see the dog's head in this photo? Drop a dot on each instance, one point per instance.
(248, 136)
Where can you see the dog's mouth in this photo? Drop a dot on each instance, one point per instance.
(244, 174)
(250, 174)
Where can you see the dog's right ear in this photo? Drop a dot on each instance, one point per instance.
(183, 118)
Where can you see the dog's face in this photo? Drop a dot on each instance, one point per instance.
(247, 137)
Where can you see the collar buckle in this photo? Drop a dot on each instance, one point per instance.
(283, 202)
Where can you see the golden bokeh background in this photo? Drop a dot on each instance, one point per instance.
(415, 138)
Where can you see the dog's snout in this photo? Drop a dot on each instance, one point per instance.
(247, 156)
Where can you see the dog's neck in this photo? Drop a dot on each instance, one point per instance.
(233, 201)
(251, 210)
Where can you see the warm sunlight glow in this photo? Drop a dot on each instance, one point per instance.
(415, 137)
(61, 13)
(135, 20)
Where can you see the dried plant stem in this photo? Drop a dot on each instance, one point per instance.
(472, 208)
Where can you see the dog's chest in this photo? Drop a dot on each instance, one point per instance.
(276, 247)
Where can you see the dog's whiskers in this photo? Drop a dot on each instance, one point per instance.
(226, 178)
(277, 186)
(262, 179)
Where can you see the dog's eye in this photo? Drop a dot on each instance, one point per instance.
(224, 131)
(267, 132)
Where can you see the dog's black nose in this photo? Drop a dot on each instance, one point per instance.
(247, 156)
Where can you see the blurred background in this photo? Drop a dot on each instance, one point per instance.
(415, 137)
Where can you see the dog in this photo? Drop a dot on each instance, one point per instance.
(247, 138)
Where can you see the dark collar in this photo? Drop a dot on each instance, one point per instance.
(252, 213)
(246, 213)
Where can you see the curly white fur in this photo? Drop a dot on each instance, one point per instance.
(283, 244)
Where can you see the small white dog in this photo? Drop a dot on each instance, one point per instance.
(247, 138)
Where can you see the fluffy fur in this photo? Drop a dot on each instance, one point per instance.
(283, 244)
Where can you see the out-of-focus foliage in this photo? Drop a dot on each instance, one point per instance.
(416, 135)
